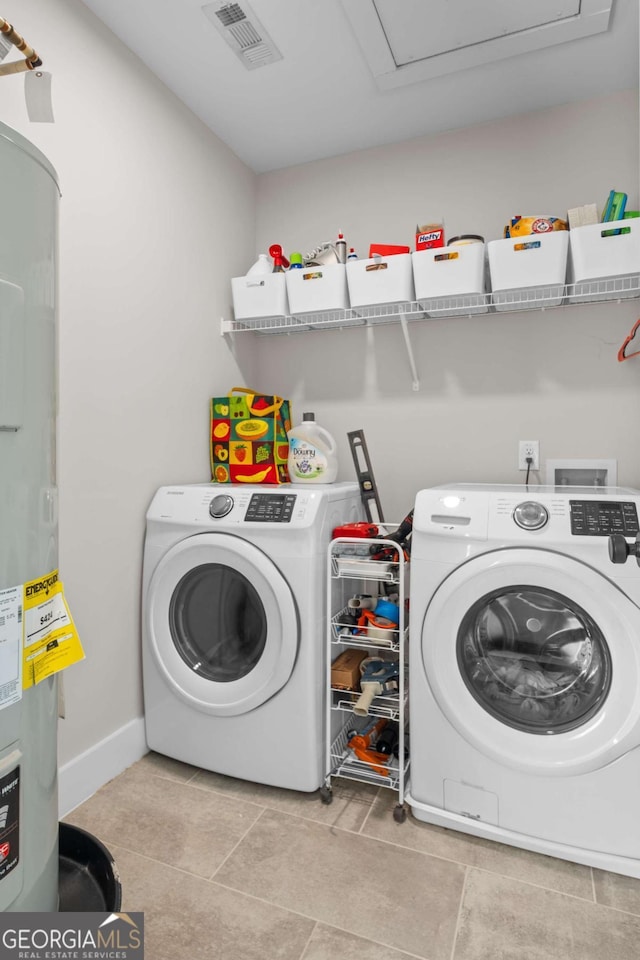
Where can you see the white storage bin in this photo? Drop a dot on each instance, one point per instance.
(529, 271)
(450, 281)
(260, 296)
(602, 265)
(381, 280)
(312, 289)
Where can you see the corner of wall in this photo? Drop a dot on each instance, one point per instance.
(81, 777)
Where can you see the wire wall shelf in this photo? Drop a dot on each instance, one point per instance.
(613, 289)
(464, 305)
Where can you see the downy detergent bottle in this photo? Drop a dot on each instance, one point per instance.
(312, 453)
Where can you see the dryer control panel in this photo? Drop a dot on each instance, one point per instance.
(601, 518)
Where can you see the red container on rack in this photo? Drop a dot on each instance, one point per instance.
(362, 529)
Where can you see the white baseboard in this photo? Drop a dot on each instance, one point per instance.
(81, 777)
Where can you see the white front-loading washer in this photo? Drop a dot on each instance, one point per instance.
(234, 601)
(525, 669)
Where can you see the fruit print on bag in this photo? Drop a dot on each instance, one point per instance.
(248, 442)
(240, 452)
(253, 430)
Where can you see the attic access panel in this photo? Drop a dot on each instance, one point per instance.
(415, 40)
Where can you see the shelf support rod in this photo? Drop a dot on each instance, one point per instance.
(407, 340)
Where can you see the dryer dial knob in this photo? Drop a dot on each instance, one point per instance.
(221, 505)
(530, 515)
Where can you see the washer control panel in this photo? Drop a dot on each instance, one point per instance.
(232, 507)
(271, 507)
(600, 518)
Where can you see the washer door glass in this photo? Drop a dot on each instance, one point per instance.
(534, 659)
(218, 622)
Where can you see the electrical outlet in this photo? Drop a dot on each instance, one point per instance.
(528, 448)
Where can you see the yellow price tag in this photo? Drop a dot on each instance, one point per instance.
(51, 641)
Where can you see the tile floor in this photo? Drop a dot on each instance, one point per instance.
(228, 870)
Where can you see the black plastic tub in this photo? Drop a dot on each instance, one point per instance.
(88, 879)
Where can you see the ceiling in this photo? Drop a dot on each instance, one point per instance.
(349, 74)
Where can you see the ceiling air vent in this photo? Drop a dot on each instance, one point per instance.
(244, 33)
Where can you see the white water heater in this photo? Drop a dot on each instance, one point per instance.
(28, 519)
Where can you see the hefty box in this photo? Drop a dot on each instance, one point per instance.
(345, 669)
(429, 236)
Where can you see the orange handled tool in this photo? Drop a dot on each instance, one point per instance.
(360, 745)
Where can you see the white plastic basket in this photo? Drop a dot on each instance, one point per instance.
(311, 289)
(260, 296)
(599, 255)
(380, 280)
(527, 269)
(451, 280)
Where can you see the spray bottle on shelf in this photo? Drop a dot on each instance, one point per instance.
(280, 262)
(341, 248)
(352, 254)
(312, 453)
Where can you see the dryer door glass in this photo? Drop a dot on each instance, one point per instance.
(534, 659)
(217, 622)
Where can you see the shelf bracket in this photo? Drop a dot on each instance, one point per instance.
(407, 340)
(226, 332)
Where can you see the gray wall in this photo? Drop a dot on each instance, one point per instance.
(489, 381)
(149, 196)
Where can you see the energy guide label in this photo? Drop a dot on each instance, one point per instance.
(10, 646)
(51, 642)
(44, 618)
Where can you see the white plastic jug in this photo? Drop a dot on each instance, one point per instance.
(312, 453)
(262, 266)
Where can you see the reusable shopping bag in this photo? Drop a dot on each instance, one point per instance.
(248, 439)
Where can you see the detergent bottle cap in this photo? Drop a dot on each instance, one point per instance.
(308, 416)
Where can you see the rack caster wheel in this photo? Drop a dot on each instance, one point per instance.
(326, 794)
(399, 813)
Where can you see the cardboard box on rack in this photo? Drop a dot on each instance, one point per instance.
(429, 236)
(387, 249)
(345, 669)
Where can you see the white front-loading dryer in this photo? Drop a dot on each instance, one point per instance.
(525, 669)
(234, 600)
